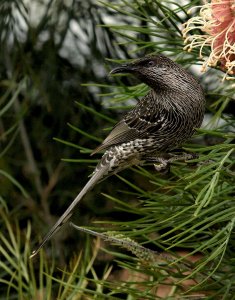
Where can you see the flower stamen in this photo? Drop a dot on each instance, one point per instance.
(216, 20)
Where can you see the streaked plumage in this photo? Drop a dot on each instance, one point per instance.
(161, 121)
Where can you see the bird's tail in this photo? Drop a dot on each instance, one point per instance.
(97, 176)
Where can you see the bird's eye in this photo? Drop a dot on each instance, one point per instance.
(150, 63)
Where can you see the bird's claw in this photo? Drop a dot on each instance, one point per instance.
(163, 168)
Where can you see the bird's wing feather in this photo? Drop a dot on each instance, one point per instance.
(121, 133)
(138, 123)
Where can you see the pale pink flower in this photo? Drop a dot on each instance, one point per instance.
(217, 21)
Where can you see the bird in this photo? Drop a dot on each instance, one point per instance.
(160, 122)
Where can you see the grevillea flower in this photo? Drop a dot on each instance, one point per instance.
(217, 21)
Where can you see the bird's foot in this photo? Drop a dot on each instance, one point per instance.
(162, 164)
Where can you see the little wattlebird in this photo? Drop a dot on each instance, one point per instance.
(161, 121)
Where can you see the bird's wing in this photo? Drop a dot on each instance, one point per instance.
(121, 133)
(140, 122)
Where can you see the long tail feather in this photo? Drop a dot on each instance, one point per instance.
(97, 176)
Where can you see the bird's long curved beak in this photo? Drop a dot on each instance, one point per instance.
(125, 68)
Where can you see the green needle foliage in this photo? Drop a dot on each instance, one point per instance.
(151, 235)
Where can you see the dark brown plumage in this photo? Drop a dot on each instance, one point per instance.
(161, 121)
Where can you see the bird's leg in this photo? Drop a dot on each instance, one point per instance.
(163, 163)
(184, 156)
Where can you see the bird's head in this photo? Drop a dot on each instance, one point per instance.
(159, 72)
